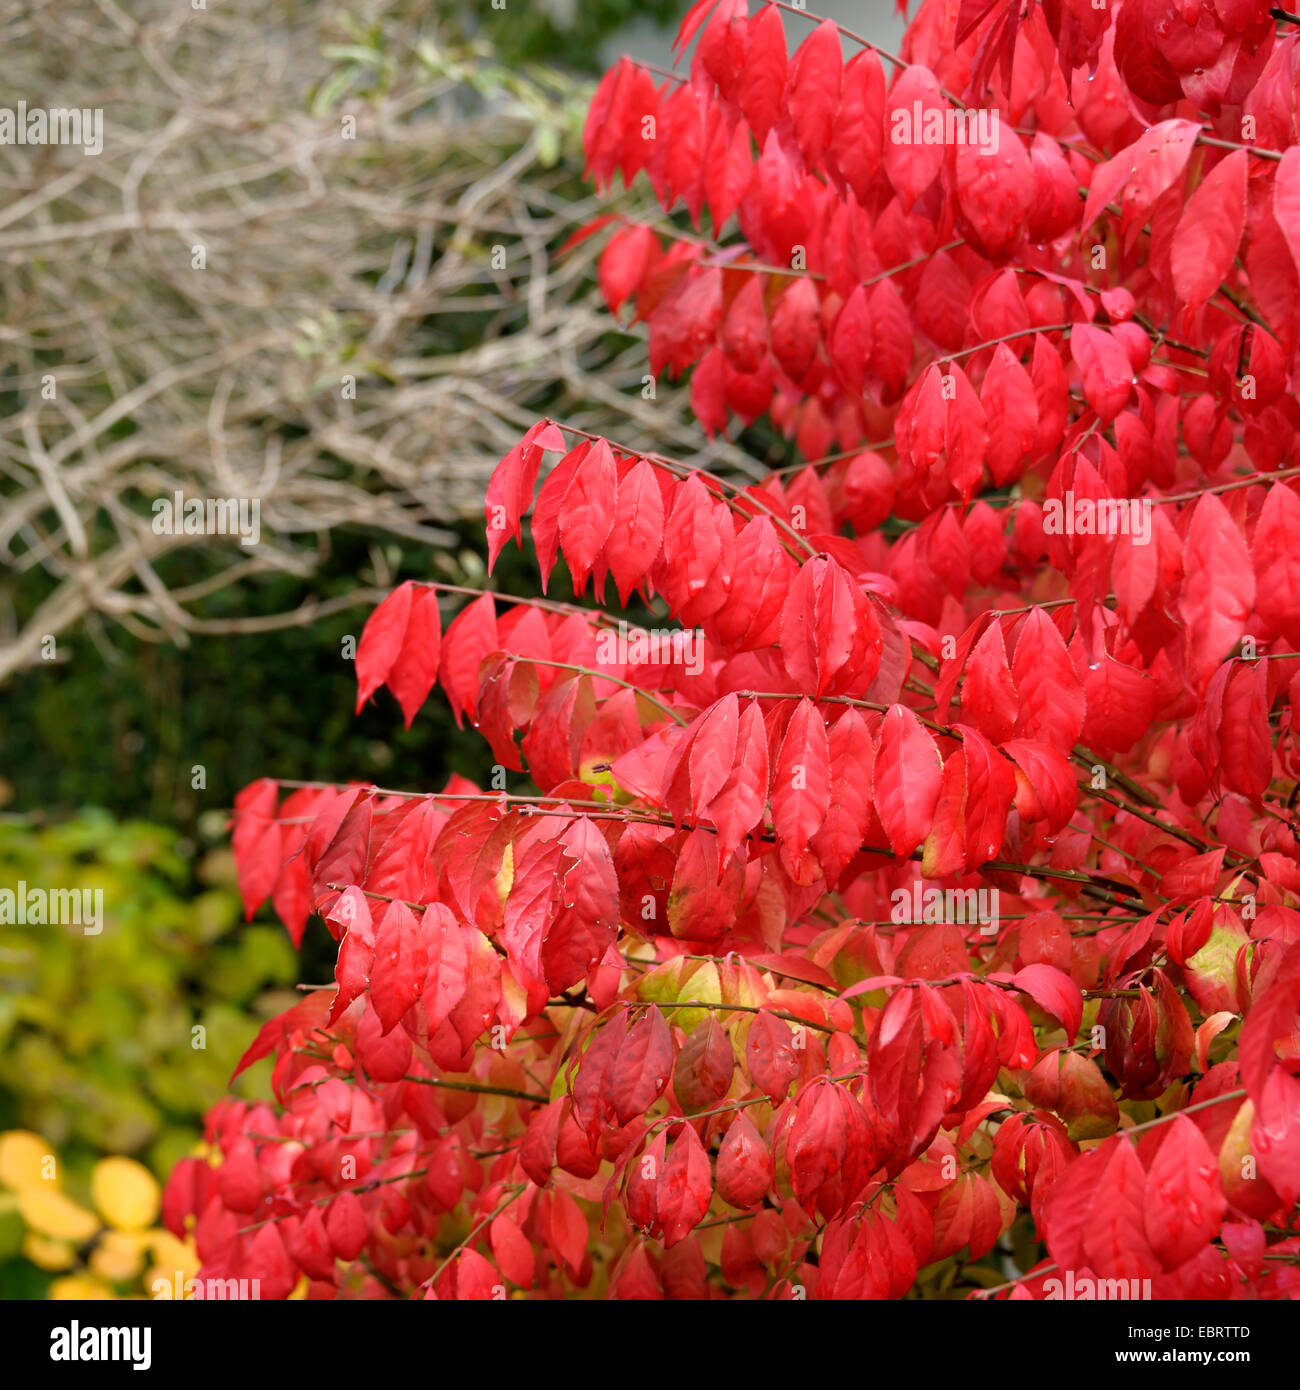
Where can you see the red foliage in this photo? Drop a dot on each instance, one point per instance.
(940, 874)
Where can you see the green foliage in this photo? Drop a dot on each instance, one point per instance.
(573, 32)
(238, 707)
(96, 1030)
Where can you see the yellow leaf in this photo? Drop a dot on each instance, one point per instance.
(45, 1253)
(118, 1256)
(52, 1214)
(703, 987)
(126, 1192)
(76, 1286)
(22, 1158)
(505, 878)
(172, 1254)
(175, 1263)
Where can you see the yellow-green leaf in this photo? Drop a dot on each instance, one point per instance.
(125, 1192)
(48, 1212)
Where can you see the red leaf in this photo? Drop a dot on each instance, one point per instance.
(856, 132)
(813, 91)
(801, 788)
(1011, 409)
(641, 1069)
(1209, 231)
(704, 1068)
(256, 842)
(1277, 562)
(909, 771)
(1183, 1200)
(305, 1016)
(638, 523)
(849, 815)
(685, 1188)
(795, 329)
(401, 964)
(586, 916)
(345, 1224)
(471, 636)
(744, 1173)
(1054, 991)
(1218, 587)
(381, 641)
(911, 163)
(737, 806)
(537, 1150)
(1286, 200)
(1107, 371)
(587, 515)
(512, 1252)
(267, 1261)
(995, 186)
(510, 488)
(623, 266)
(1114, 1238)
(413, 673)
(569, 1231)
(447, 977)
(819, 1139)
(762, 79)
(711, 753)
(1052, 703)
(829, 634)
(769, 1055)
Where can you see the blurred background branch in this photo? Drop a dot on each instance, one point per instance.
(313, 265)
(379, 194)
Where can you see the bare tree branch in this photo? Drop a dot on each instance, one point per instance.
(375, 322)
